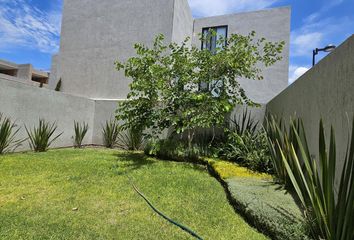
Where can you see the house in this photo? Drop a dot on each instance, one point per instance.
(97, 33)
(24, 73)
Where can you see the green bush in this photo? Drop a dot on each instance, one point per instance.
(80, 133)
(110, 133)
(8, 131)
(170, 149)
(249, 150)
(41, 137)
(246, 145)
(131, 140)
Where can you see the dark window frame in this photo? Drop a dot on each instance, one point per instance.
(214, 28)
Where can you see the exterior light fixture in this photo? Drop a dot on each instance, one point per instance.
(328, 48)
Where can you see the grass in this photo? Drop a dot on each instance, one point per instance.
(265, 204)
(85, 194)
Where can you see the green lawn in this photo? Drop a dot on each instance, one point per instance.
(38, 193)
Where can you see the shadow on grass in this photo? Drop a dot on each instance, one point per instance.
(130, 161)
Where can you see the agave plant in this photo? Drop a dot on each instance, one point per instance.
(111, 132)
(80, 133)
(41, 137)
(279, 141)
(331, 209)
(8, 131)
(131, 139)
(243, 123)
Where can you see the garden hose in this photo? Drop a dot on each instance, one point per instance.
(163, 215)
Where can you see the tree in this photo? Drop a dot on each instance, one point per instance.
(166, 89)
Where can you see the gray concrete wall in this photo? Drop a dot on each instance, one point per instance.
(274, 25)
(97, 33)
(182, 21)
(257, 113)
(27, 104)
(54, 72)
(104, 110)
(20, 80)
(325, 91)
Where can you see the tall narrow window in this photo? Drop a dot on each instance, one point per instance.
(212, 42)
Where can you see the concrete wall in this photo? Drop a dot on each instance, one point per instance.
(20, 80)
(104, 110)
(27, 104)
(182, 21)
(54, 72)
(257, 113)
(274, 25)
(97, 33)
(325, 91)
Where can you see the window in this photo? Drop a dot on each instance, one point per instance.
(211, 42)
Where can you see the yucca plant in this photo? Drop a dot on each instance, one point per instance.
(111, 132)
(331, 209)
(41, 137)
(279, 139)
(131, 140)
(80, 133)
(8, 131)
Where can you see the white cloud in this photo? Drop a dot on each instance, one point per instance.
(304, 42)
(296, 72)
(205, 8)
(25, 26)
(315, 31)
(318, 34)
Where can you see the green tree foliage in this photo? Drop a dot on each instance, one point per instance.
(164, 92)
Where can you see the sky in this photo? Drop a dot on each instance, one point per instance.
(30, 29)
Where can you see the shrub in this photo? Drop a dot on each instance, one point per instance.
(164, 77)
(246, 145)
(40, 138)
(58, 86)
(249, 150)
(110, 132)
(80, 133)
(8, 131)
(131, 140)
(331, 209)
(172, 150)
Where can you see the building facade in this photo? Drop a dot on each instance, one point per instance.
(97, 33)
(24, 73)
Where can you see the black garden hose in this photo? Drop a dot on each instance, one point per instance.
(186, 229)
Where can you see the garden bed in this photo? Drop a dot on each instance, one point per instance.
(265, 205)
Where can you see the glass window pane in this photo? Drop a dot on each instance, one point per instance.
(221, 33)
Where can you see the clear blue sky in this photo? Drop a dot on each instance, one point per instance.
(30, 29)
